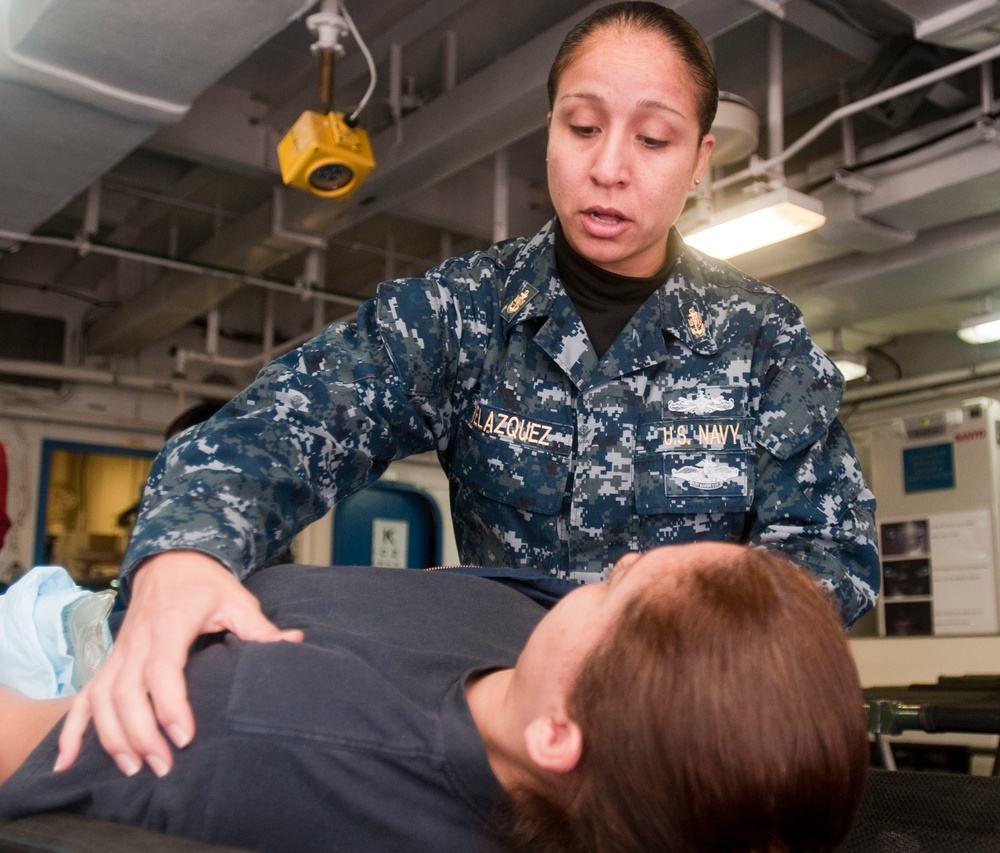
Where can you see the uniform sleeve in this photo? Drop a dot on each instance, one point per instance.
(810, 498)
(315, 426)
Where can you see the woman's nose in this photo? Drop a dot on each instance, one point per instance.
(610, 166)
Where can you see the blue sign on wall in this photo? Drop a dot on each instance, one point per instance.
(928, 468)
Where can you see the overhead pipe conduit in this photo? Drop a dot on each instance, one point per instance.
(84, 246)
(91, 376)
(760, 168)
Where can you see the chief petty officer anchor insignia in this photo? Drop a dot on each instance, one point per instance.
(696, 323)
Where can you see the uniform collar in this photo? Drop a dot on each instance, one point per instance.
(533, 285)
(690, 309)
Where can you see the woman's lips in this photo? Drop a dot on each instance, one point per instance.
(604, 222)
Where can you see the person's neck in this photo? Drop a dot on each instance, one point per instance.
(603, 283)
(490, 701)
(502, 717)
(606, 301)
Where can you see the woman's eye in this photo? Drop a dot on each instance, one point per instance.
(649, 142)
(583, 130)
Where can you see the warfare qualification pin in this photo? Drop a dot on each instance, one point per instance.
(528, 292)
(696, 323)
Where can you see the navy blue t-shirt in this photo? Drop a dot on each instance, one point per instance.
(360, 738)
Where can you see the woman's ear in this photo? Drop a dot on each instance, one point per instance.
(701, 161)
(554, 743)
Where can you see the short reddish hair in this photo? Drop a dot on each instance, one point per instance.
(723, 714)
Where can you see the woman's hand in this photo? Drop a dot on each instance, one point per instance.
(140, 692)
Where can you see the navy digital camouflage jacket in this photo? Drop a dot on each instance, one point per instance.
(713, 416)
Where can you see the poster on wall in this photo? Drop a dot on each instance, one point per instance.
(939, 576)
(390, 542)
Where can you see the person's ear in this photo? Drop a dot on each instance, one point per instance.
(554, 743)
(701, 162)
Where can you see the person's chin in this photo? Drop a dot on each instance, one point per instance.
(604, 252)
(610, 261)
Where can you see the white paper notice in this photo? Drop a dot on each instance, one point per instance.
(963, 575)
(390, 541)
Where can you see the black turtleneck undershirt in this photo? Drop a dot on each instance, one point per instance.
(606, 301)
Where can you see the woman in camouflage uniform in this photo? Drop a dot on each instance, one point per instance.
(597, 389)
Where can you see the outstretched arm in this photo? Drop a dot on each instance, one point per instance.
(140, 692)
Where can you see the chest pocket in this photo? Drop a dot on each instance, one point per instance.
(516, 461)
(696, 454)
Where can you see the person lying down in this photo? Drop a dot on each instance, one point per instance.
(703, 698)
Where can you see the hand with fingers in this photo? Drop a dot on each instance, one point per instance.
(140, 695)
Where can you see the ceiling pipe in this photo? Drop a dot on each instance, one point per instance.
(904, 390)
(212, 332)
(449, 72)
(92, 376)
(270, 324)
(84, 246)
(329, 27)
(775, 95)
(91, 212)
(396, 88)
(183, 356)
(278, 228)
(764, 167)
(848, 143)
(103, 420)
(501, 195)
(380, 251)
(986, 88)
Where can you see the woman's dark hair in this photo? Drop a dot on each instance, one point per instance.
(723, 714)
(648, 17)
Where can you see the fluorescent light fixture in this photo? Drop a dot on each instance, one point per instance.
(983, 329)
(851, 365)
(771, 217)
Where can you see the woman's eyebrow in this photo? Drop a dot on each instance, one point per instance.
(644, 104)
(585, 96)
(659, 105)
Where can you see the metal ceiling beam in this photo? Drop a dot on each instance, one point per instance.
(504, 103)
(862, 289)
(831, 30)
